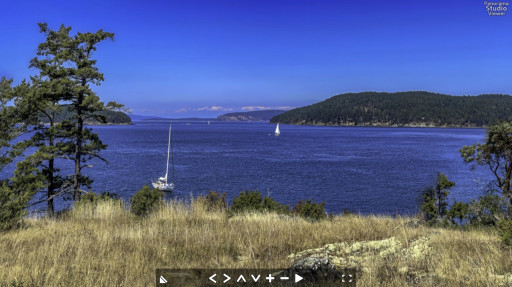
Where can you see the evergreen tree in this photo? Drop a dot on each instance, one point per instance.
(442, 190)
(66, 69)
(51, 87)
(71, 70)
(7, 121)
(17, 191)
(434, 199)
(496, 154)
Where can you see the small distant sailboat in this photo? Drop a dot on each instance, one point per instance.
(161, 183)
(278, 132)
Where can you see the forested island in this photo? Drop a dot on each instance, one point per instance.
(105, 117)
(414, 109)
(252, 116)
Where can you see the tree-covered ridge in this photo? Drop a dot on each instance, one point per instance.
(250, 116)
(103, 117)
(416, 108)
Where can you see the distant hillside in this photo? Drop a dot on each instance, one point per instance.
(250, 116)
(159, 119)
(142, 118)
(115, 118)
(111, 117)
(416, 108)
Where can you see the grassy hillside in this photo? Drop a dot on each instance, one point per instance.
(105, 245)
(402, 109)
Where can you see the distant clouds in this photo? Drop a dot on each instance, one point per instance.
(182, 110)
(201, 111)
(205, 109)
(259, 108)
(214, 109)
(227, 109)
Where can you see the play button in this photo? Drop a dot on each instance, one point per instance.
(298, 278)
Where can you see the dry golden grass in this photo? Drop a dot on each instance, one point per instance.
(106, 245)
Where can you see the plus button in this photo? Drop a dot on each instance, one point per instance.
(270, 278)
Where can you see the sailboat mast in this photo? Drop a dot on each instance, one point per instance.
(168, 150)
(172, 157)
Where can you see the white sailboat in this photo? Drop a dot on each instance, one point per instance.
(161, 183)
(278, 132)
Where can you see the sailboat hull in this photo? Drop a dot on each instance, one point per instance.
(163, 186)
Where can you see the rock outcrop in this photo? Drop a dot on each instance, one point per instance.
(361, 255)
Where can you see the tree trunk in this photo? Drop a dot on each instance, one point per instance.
(51, 184)
(78, 151)
(508, 174)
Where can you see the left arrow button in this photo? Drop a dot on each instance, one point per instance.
(211, 278)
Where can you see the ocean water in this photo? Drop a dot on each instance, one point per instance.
(364, 169)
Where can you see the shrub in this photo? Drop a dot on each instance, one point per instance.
(458, 210)
(145, 200)
(487, 210)
(92, 197)
(214, 201)
(310, 210)
(252, 201)
(347, 212)
(271, 204)
(247, 201)
(505, 231)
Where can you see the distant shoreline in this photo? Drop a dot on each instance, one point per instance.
(388, 126)
(364, 126)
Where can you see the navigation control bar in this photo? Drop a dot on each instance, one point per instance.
(252, 277)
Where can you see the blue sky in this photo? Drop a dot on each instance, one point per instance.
(205, 58)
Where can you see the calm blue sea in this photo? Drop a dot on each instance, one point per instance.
(364, 169)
